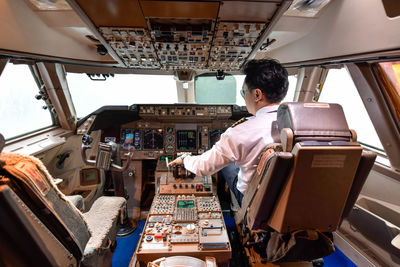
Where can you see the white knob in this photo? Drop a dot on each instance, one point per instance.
(190, 228)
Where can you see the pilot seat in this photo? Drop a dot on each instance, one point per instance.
(303, 187)
(39, 226)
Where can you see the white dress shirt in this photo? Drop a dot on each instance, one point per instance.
(241, 144)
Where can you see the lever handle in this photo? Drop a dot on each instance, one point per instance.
(84, 157)
(126, 165)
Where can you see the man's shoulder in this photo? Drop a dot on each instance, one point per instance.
(242, 120)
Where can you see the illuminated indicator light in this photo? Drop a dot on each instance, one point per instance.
(158, 235)
(189, 34)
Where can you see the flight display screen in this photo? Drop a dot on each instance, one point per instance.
(153, 139)
(215, 135)
(130, 138)
(164, 157)
(186, 140)
(185, 204)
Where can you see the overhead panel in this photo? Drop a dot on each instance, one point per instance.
(232, 44)
(239, 26)
(133, 45)
(182, 31)
(182, 43)
(113, 13)
(181, 35)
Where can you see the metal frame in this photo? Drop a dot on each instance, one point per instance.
(3, 63)
(378, 110)
(307, 81)
(274, 20)
(75, 6)
(55, 84)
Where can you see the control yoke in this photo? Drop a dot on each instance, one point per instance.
(107, 153)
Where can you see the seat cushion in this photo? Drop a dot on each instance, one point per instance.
(102, 220)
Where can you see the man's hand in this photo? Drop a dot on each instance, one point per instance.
(177, 161)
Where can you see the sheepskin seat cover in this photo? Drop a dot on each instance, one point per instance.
(93, 231)
(34, 173)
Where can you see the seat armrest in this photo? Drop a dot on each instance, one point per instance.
(102, 219)
(77, 201)
(364, 167)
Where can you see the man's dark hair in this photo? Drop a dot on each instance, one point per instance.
(269, 76)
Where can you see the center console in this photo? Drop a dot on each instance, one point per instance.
(185, 219)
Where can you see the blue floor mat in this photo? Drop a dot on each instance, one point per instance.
(126, 247)
(338, 259)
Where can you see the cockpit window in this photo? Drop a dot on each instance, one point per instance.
(210, 90)
(20, 112)
(292, 89)
(122, 89)
(339, 88)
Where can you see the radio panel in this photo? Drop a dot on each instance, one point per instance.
(212, 234)
(163, 204)
(208, 204)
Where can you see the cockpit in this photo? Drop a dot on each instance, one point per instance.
(97, 99)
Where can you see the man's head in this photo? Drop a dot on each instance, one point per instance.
(266, 83)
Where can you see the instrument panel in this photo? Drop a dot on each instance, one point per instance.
(168, 139)
(170, 129)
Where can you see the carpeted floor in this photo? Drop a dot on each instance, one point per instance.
(126, 246)
(338, 259)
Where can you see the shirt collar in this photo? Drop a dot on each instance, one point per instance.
(267, 109)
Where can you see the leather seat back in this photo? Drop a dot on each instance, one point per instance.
(317, 177)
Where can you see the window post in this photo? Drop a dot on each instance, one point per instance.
(53, 77)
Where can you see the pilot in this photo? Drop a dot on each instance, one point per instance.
(237, 153)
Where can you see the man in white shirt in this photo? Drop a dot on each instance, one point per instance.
(238, 151)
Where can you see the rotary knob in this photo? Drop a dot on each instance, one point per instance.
(190, 228)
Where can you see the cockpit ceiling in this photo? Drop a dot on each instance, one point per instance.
(174, 35)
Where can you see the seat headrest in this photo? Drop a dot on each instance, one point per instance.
(2, 142)
(314, 121)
